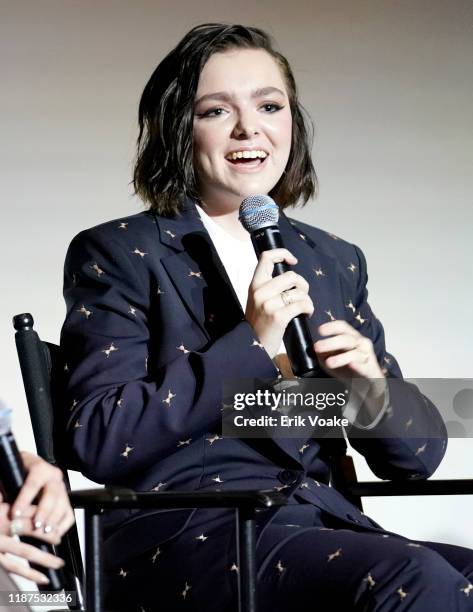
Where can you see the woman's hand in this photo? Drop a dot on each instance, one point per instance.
(273, 302)
(347, 355)
(9, 544)
(53, 513)
(46, 520)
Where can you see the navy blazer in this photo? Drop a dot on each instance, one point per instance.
(153, 326)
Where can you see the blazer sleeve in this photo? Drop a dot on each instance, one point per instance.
(410, 440)
(123, 419)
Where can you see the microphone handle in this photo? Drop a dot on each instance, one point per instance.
(297, 337)
(12, 477)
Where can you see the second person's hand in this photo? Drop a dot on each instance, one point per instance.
(44, 482)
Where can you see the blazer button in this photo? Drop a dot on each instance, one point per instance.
(288, 477)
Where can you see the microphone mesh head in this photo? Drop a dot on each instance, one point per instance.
(258, 211)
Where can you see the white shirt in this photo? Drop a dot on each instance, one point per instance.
(237, 256)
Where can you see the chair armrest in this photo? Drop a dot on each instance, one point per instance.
(112, 497)
(411, 487)
(93, 501)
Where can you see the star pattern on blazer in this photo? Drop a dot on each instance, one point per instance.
(153, 325)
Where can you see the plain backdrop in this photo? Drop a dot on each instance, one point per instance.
(389, 85)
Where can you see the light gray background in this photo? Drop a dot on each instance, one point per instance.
(390, 87)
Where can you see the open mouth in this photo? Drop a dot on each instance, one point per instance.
(248, 163)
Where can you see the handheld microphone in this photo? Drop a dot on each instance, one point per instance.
(12, 477)
(259, 215)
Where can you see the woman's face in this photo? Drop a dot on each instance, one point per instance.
(241, 104)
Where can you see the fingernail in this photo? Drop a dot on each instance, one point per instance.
(47, 529)
(18, 513)
(38, 524)
(59, 562)
(44, 580)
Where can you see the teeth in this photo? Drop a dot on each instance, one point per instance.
(247, 154)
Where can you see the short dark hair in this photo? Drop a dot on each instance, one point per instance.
(164, 174)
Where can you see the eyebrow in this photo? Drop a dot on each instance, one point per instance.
(226, 97)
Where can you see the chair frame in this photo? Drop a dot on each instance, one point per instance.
(40, 364)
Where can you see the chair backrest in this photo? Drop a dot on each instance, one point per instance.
(40, 363)
(41, 368)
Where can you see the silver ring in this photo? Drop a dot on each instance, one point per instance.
(16, 527)
(286, 297)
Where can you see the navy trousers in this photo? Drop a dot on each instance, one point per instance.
(306, 560)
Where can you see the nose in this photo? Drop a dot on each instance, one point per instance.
(246, 126)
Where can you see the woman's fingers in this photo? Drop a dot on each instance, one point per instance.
(302, 306)
(346, 352)
(279, 302)
(278, 284)
(23, 526)
(51, 507)
(35, 555)
(345, 344)
(21, 569)
(29, 552)
(273, 302)
(336, 327)
(4, 519)
(65, 522)
(265, 266)
(341, 342)
(343, 359)
(278, 292)
(39, 474)
(53, 515)
(60, 519)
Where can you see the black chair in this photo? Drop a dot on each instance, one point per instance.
(42, 367)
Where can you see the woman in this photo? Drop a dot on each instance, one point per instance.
(160, 311)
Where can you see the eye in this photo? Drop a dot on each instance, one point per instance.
(210, 112)
(276, 107)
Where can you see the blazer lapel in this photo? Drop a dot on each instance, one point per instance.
(198, 273)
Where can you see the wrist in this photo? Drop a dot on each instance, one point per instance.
(371, 397)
